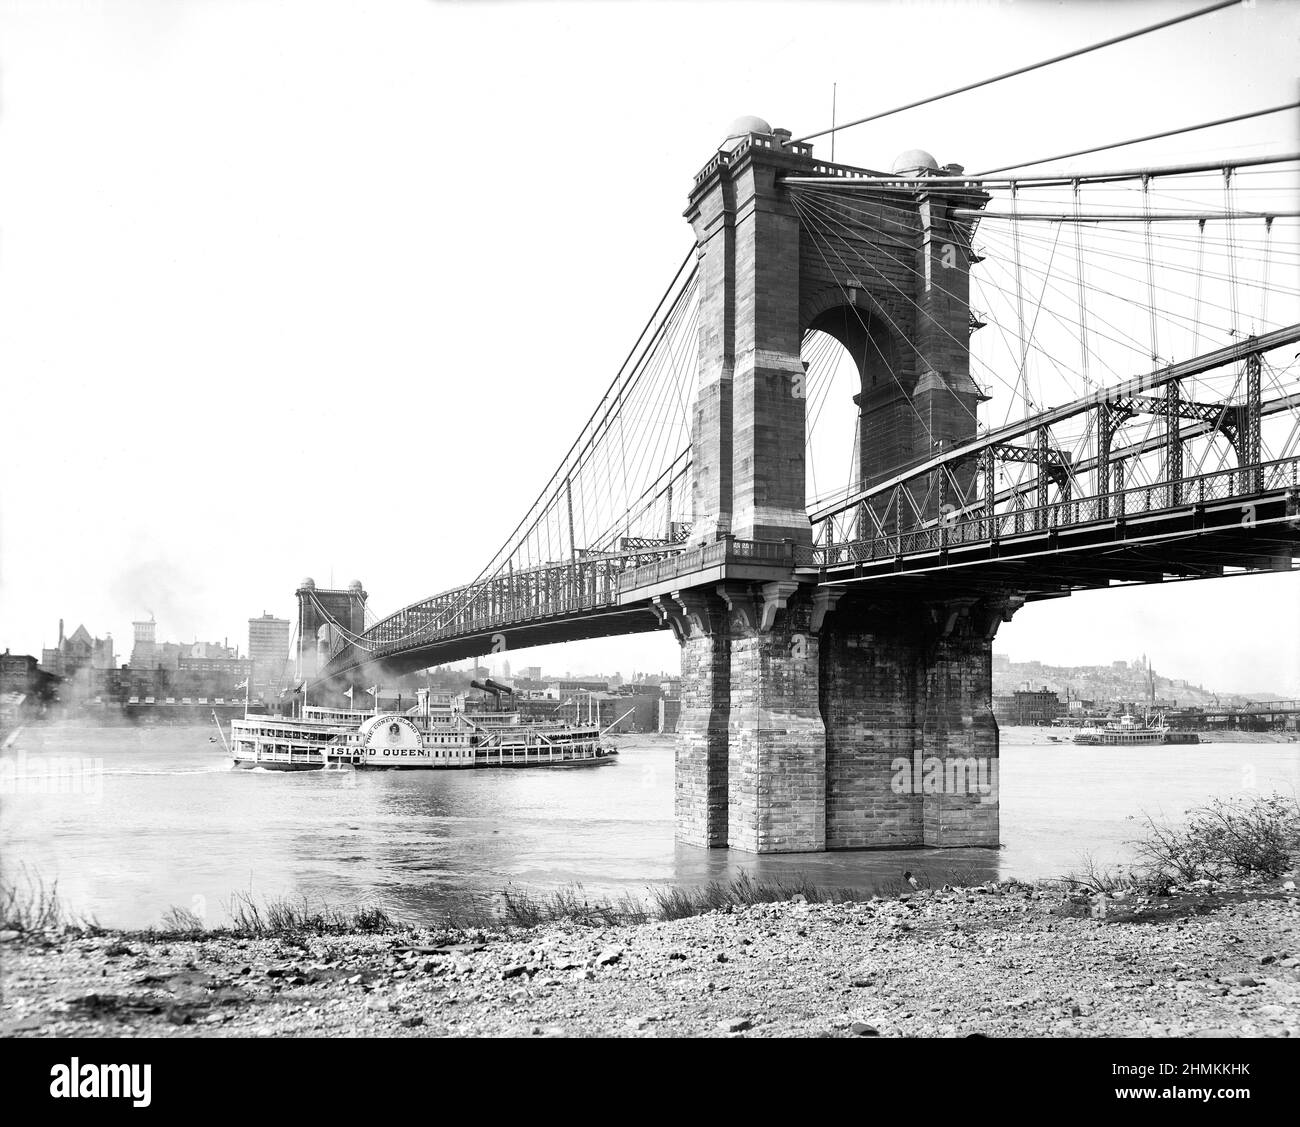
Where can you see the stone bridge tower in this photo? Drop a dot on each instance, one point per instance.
(813, 715)
(321, 613)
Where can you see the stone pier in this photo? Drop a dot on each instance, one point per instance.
(815, 717)
(700, 802)
(776, 763)
(840, 724)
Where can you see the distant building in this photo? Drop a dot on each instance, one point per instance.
(84, 664)
(218, 651)
(149, 653)
(558, 689)
(77, 651)
(19, 673)
(210, 676)
(670, 710)
(638, 712)
(194, 669)
(268, 651)
(1027, 706)
(144, 653)
(143, 682)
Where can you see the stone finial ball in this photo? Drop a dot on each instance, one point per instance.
(308, 584)
(744, 126)
(914, 161)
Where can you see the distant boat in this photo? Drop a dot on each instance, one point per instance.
(1128, 732)
(1124, 732)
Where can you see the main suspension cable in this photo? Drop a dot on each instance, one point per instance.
(1025, 69)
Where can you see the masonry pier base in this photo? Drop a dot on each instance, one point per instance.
(814, 719)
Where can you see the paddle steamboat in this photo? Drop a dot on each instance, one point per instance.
(1124, 732)
(424, 737)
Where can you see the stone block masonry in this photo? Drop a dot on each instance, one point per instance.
(700, 780)
(864, 726)
(957, 728)
(867, 696)
(776, 762)
(910, 685)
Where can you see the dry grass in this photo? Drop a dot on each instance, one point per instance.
(28, 904)
(278, 916)
(35, 906)
(517, 908)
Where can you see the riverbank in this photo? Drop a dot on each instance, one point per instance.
(1000, 959)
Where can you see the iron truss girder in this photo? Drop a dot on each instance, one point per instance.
(1055, 462)
(1217, 416)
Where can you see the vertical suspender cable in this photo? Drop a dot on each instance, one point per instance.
(1232, 250)
(568, 497)
(1023, 380)
(1263, 301)
(1083, 293)
(1151, 269)
(1200, 273)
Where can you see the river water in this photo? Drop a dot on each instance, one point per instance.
(165, 822)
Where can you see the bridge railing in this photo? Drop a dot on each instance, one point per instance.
(716, 553)
(544, 591)
(1239, 482)
(555, 590)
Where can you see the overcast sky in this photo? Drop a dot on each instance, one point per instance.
(326, 289)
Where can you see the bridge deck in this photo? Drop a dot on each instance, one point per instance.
(1195, 530)
(1199, 527)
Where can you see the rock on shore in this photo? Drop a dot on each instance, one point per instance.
(998, 960)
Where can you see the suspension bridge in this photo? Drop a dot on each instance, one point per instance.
(875, 414)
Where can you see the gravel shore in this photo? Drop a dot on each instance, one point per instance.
(998, 959)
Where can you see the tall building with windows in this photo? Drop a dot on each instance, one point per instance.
(268, 650)
(144, 653)
(1027, 706)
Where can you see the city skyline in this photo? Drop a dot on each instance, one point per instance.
(581, 659)
(245, 261)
